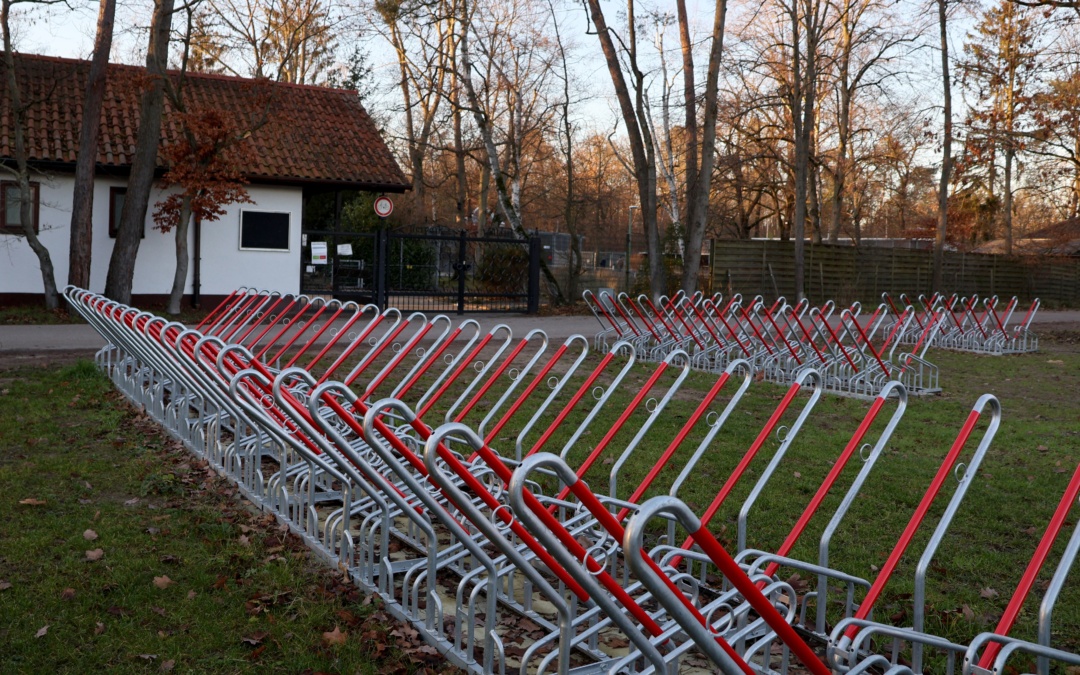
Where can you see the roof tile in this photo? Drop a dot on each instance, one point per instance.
(311, 133)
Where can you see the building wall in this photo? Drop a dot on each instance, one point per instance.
(224, 266)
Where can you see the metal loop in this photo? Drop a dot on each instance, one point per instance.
(258, 315)
(352, 335)
(373, 341)
(420, 351)
(448, 359)
(958, 472)
(286, 321)
(495, 520)
(396, 347)
(273, 318)
(650, 405)
(862, 452)
(601, 560)
(598, 393)
(334, 331)
(478, 366)
(267, 401)
(712, 419)
(552, 382)
(512, 374)
(782, 433)
(315, 327)
(726, 618)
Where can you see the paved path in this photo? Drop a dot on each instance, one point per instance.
(83, 337)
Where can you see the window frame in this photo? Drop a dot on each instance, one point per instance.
(17, 230)
(113, 224)
(240, 232)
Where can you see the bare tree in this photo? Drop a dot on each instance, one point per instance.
(639, 135)
(699, 172)
(283, 40)
(946, 150)
(423, 52)
(18, 106)
(141, 179)
(82, 207)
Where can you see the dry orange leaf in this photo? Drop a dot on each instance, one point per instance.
(335, 637)
(42, 631)
(163, 582)
(89, 535)
(30, 501)
(96, 554)
(67, 594)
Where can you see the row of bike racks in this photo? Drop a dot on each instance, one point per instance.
(971, 324)
(854, 352)
(445, 468)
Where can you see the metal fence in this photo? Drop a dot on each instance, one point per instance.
(847, 273)
(431, 272)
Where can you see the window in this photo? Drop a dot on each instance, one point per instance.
(264, 230)
(10, 211)
(116, 209)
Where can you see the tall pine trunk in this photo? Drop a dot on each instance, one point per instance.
(141, 180)
(82, 208)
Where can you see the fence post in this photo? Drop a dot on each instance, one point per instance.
(534, 275)
(380, 267)
(462, 268)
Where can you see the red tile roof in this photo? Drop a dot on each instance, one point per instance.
(313, 134)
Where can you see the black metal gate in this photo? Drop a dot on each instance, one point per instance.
(430, 272)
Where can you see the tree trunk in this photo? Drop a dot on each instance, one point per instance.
(183, 257)
(836, 199)
(506, 205)
(1007, 197)
(698, 214)
(82, 222)
(482, 207)
(946, 155)
(141, 179)
(26, 195)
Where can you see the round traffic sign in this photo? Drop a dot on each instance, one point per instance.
(383, 207)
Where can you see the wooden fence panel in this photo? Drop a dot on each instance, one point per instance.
(846, 273)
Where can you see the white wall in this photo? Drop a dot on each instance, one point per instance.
(224, 266)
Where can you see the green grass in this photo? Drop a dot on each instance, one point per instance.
(242, 597)
(28, 315)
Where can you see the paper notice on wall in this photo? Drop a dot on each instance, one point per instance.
(344, 250)
(318, 253)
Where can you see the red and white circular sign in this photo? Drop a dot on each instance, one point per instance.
(383, 207)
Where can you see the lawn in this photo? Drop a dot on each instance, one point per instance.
(241, 595)
(119, 551)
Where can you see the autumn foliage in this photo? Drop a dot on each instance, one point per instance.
(205, 164)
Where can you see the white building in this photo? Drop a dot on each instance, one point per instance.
(307, 143)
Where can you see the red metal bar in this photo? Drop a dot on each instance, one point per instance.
(827, 484)
(902, 543)
(617, 427)
(739, 470)
(1031, 573)
(674, 445)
